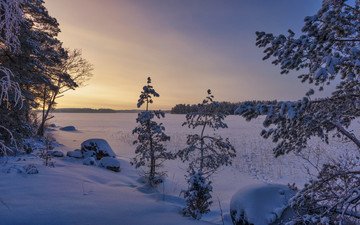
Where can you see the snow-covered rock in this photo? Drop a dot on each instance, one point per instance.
(56, 153)
(89, 161)
(100, 146)
(68, 128)
(261, 205)
(89, 154)
(75, 154)
(110, 163)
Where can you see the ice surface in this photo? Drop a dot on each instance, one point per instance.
(68, 128)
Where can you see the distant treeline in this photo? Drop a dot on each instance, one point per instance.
(89, 110)
(226, 107)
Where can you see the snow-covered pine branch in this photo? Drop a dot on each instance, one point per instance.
(292, 124)
(11, 16)
(150, 149)
(9, 90)
(333, 196)
(328, 52)
(147, 94)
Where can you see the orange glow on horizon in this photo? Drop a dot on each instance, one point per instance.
(127, 43)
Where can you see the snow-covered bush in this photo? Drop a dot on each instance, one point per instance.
(45, 153)
(204, 152)
(150, 150)
(328, 52)
(198, 195)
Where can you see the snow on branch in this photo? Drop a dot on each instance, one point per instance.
(11, 17)
(9, 90)
(292, 124)
(328, 48)
(4, 147)
(333, 196)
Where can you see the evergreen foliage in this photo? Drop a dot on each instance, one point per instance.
(205, 154)
(150, 149)
(328, 52)
(197, 196)
(35, 69)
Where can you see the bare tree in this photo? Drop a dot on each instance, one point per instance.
(73, 72)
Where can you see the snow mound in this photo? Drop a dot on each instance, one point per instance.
(261, 205)
(110, 163)
(89, 161)
(68, 128)
(56, 153)
(75, 154)
(31, 169)
(26, 169)
(100, 146)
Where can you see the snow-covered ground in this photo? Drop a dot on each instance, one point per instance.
(72, 193)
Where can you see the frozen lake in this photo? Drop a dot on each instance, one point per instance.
(254, 162)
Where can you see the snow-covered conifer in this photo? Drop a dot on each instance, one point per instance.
(204, 152)
(11, 16)
(150, 149)
(328, 52)
(198, 195)
(10, 94)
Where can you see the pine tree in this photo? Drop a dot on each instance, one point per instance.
(328, 52)
(205, 154)
(150, 149)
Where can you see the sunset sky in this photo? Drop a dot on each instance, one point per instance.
(186, 46)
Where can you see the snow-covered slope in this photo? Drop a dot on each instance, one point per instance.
(74, 194)
(71, 193)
